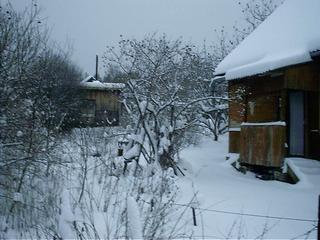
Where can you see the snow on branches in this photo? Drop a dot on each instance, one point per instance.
(166, 88)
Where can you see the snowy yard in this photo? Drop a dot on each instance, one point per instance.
(98, 201)
(126, 154)
(220, 187)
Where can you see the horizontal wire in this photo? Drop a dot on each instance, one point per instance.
(244, 214)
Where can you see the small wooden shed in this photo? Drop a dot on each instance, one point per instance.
(274, 86)
(101, 103)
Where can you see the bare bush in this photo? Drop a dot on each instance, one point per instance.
(166, 89)
(31, 115)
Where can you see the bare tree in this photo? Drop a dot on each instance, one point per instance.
(30, 118)
(164, 95)
(254, 12)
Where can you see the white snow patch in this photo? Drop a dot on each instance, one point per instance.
(225, 189)
(3, 121)
(67, 216)
(137, 137)
(17, 197)
(134, 221)
(307, 170)
(19, 133)
(91, 83)
(132, 152)
(234, 129)
(264, 124)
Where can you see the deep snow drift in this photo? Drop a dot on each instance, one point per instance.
(220, 187)
(98, 201)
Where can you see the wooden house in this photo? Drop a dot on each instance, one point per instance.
(274, 86)
(101, 105)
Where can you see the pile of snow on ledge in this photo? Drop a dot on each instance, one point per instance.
(279, 123)
(307, 171)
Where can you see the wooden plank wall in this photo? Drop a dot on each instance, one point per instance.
(105, 100)
(237, 104)
(262, 145)
(302, 77)
(234, 141)
(265, 99)
(306, 78)
(263, 108)
(107, 106)
(260, 101)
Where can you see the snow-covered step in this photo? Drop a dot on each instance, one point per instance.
(306, 170)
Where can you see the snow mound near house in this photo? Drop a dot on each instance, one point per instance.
(307, 170)
(286, 37)
(231, 200)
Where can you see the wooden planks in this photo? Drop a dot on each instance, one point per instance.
(262, 145)
(263, 108)
(234, 141)
(107, 107)
(303, 77)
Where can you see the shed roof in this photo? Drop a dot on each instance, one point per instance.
(91, 83)
(285, 38)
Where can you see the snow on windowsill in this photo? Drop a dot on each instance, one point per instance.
(234, 129)
(279, 123)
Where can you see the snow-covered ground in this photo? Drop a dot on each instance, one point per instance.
(99, 201)
(220, 187)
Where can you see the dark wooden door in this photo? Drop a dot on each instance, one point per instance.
(313, 125)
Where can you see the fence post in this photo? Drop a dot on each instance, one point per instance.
(319, 218)
(151, 205)
(194, 216)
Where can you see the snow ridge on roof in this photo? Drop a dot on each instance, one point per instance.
(91, 83)
(285, 38)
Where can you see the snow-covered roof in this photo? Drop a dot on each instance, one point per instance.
(285, 38)
(91, 83)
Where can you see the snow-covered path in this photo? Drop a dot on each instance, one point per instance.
(220, 187)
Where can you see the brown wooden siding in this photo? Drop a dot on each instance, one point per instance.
(107, 107)
(236, 105)
(303, 77)
(260, 100)
(263, 108)
(262, 145)
(265, 99)
(306, 78)
(104, 99)
(234, 141)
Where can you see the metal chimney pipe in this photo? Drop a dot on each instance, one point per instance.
(97, 60)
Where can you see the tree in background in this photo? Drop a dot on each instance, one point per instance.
(254, 12)
(166, 88)
(36, 99)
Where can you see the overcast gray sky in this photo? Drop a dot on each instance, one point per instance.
(91, 25)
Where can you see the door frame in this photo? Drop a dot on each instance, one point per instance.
(312, 126)
(289, 122)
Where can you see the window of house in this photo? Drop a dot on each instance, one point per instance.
(88, 108)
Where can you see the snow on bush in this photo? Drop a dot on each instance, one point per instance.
(103, 199)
